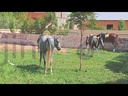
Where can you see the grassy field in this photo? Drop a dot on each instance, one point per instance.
(109, 68)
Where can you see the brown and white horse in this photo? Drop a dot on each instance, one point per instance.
(110, 37)
(92, 42)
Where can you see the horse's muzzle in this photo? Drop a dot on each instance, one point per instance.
(58, 48)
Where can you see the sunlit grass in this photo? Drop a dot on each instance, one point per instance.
(109, 68)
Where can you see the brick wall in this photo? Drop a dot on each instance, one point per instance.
(65, 41)
(104, 23)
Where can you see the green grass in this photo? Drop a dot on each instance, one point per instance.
(109, 68)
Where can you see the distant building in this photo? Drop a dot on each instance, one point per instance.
(61, 16)
(35, 15)
(108, 24)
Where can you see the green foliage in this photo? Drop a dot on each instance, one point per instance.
(53, 20)
(93, 26)
(21, 17)
(5, 18)
(20, 20)
(12, 26)
(38, 26)
(81, 17)
(121, 25)
(41, 23)
(64, 29)
(27, 26)
(71, 24)
(9, 19)
(99, 28)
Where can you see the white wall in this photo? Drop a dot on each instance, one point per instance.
(62, 17)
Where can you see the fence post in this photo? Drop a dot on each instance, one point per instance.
(6, 53)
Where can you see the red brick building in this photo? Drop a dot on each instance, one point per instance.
(35, 15)
(109, 24)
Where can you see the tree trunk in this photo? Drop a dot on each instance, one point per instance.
(81, 47)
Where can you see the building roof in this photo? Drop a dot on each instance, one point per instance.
(111, 15)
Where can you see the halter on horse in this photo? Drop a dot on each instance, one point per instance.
(110, 37)
(93, 41)
(46, 45)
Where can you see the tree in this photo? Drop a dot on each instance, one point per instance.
(71, 24)
(12, 20)
(64, 28)
(5, 19)
(12, 25)
(27, 26)
(48, 22)
(51, 20)
(93, 26)
(37, 25)
(79, 18)
(21, 17)
(121, 25)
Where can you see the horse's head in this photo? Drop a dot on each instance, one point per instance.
(57, 44)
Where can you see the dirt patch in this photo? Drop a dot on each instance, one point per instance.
(11, 47)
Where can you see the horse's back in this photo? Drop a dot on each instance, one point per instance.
(112, 34)
(46, 42)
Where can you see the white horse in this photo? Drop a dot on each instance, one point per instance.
(46, 45)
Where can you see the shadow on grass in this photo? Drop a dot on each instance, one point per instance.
(85, 55)
(118, 64)
(31, 68)
(119, 81)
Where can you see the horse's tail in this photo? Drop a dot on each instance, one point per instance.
(48, 52)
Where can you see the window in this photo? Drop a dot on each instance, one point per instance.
(109, 26)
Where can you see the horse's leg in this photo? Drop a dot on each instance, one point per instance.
(51, 59)
(102, 45)
(114, 50)
(40, 58)
(114, 46)
(38, 44)
(51, 66)
(45, 65)
(97, 52)
(91, 51)
(87, 49)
